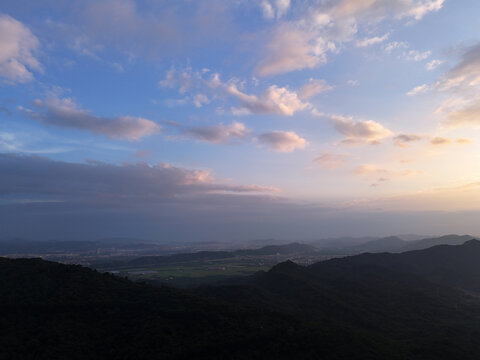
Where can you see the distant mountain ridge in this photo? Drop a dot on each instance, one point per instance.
(396, 244)
(292, 248)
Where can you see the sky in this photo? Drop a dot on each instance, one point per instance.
(203, 120)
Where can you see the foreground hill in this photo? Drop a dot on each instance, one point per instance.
(55, 311)
(425, 301)
(415, 305)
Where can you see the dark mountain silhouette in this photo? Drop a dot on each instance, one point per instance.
(455, 266)
(415, 305)
(414, 298)
(55, 311)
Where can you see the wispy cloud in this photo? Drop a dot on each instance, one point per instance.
(64, 112)
(331, 161)
(432, 65)
(282, 141)
(274, 9)
(313, 87)
(18, 47)
(440, 140)
(372, 41)
(236, 131)
(402, 140)
(421, 89)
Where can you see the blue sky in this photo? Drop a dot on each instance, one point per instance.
(237, 114)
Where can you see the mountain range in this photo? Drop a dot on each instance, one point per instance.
(421, 304)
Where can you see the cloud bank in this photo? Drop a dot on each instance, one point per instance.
(63, 112)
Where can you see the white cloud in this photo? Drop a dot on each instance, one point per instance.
(432, 65)
(277, 100)
(17, 51)
(421, 89)
(306, 42)
(313, 87)
(274, 9)
(65, 113)
(293, 48)
(273, 100)
(372, 41)
(415, 55)
(283, 141)
(421, 8)
(200, 99)
(396, 45)
(360, 131)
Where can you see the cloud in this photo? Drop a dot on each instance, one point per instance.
(415, 55)
(65, 113)
(465, 74)
(401, 140)
(17, 51)
(217, 133)
(372, 41)
(463, 141)
(468, 115)
(360, 131)
(100, 183)
(378, 9)
(421, 89)
(312, 88)
(330, 161)
(395, 45)
(370, 170)
(274, 9)
(153, 29)
(462, 82)
(273, 100)
(304, 43)
(432, 65)
(182, 80)
(438, 140)
(143, 153)
(283, 141)
(293, 48)
(421, 8)
(276, 100)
